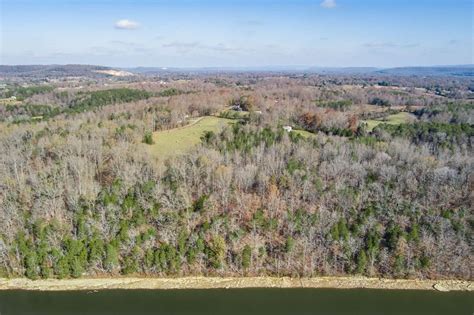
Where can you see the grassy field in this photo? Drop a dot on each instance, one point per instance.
(396, 119)
(177, 141)
(304, 133)
(9, 101)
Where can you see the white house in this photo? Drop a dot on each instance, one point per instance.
(288, 128)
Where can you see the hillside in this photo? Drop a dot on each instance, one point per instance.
(55, 71)
(235, 174)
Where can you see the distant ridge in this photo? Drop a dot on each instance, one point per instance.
(456, 70)
(279, 69)
(44, 71)
(47, 71)
(459, 70)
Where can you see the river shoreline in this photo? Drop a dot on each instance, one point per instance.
(92, 284)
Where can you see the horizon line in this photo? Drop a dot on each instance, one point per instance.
(289, 67)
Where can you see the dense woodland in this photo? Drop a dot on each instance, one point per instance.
(81, 195)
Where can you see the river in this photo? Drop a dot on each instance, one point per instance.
(237, 301)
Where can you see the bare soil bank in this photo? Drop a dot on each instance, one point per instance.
(235, 282)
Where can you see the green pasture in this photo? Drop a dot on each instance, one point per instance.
(395, 119)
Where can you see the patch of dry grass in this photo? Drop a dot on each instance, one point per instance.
(169, 143)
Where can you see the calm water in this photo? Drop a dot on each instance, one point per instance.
(237, 301)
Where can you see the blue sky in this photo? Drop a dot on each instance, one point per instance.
(238, 33)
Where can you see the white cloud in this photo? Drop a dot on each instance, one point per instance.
(126, 25)
(329, 4)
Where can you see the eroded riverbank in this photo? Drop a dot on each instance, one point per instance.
(233, 282)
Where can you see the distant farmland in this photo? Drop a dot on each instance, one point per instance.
(396, 119)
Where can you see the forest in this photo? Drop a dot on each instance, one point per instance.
(82, 194)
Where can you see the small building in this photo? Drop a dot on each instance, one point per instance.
(288, 128)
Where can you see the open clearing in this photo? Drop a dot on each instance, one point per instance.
(396, 119)
(173, 142)
(177, 141)
(304, 133)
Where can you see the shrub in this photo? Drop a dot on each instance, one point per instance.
(148, 138)
(289, 244)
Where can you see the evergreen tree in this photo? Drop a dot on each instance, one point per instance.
(246, 256)
(361, 262)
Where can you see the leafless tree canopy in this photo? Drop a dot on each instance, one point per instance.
(80, 193)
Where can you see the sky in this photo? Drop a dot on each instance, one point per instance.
(237, 33)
